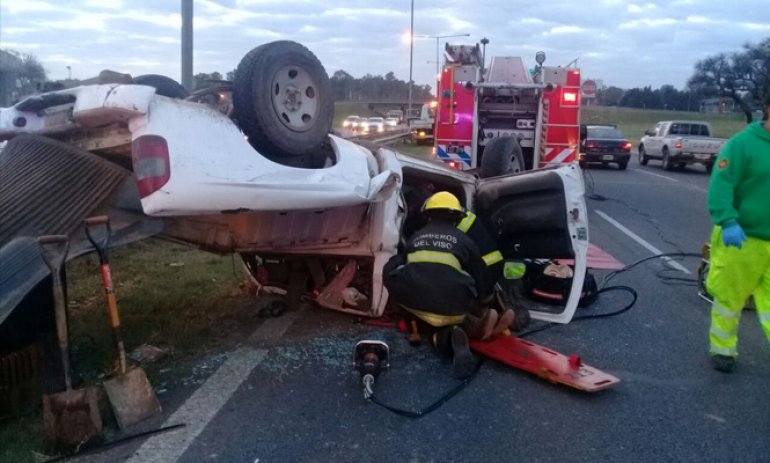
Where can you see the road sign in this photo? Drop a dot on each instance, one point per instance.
(588, 87)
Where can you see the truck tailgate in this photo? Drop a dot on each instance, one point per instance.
(702, 145)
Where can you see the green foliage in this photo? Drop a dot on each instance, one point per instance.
(20, 437)
(20, 74)
(743, 76)
(375, 88)
(203, 80)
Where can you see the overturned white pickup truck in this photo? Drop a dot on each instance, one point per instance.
(250, 168)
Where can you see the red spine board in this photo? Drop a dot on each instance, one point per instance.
(545, 363)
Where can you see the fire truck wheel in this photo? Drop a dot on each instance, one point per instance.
(282, 100)
(164, 86)
(501, 156)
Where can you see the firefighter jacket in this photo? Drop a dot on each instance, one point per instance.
(493, 259)
(439, 271)
(740, 184)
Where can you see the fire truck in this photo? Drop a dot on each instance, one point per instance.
(505, 118)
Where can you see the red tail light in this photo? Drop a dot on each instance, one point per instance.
(592, 145)
(678, 145)
(626, 146)
(151, 163)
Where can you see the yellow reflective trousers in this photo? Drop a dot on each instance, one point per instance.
(734, 275)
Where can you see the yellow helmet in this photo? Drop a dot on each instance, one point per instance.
(443, 200)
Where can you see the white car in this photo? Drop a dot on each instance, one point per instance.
(327, 227)
(373, 125)
(351, 122)
(391, 122)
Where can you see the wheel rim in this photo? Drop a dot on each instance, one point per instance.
(295, 98)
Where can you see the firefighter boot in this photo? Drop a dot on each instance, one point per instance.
(481, 327)
(723, 363)
(441, 340)
(462, 358)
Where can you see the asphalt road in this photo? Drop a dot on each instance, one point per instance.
(294, 398)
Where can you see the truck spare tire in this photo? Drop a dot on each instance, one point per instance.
(282, 100)
(164, 86)
(501, 156)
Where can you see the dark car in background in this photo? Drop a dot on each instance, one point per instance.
(604, 144)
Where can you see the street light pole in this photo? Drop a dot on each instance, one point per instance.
(187, 44)
(411, 57)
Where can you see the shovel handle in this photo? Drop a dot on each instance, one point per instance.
(53, 250)
(112, 312)
(100, 223)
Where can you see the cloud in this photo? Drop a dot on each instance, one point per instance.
(647, 22)
(26, 6)
(105, 4)
(756, 26)
(565, 30)
(612, 39)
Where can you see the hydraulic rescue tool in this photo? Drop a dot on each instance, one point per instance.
(369, 358)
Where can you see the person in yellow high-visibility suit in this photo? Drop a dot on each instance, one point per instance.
(740, 242)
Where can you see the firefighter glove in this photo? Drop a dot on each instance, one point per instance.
(733, 235)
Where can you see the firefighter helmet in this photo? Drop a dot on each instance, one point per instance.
(443, 200)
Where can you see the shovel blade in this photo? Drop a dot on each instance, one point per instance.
(71, 419)
(132, 397)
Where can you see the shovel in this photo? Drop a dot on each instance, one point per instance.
(130, 393)
(70, 418)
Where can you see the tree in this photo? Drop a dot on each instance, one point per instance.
(610, 96)
(203, 80)
(743, 76)
(373, 88)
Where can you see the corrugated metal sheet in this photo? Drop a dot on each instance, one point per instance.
(48, 187)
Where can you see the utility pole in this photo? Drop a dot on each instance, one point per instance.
(411, 56)
(187, 44)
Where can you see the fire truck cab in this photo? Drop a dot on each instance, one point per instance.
(505, 118)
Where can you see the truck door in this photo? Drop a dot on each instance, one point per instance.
(539, 215)
(654, 144)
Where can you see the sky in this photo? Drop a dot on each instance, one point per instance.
(622, 43)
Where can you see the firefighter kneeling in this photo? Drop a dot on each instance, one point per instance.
(439, 282)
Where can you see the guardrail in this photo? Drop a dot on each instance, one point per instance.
(384, 138)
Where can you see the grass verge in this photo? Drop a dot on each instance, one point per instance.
(185, 301)
(634, 122)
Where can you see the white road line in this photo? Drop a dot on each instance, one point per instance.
(206, 402)
(656, 175)
(642, 242)
(200, 408)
